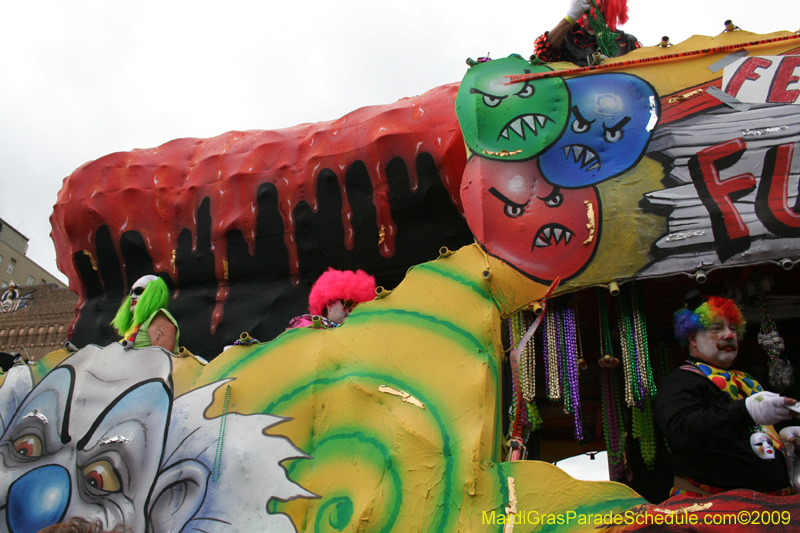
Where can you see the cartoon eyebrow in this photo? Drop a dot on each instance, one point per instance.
(489, 100)
(580, 117)
(497, 194)
(552, 198)
(36, 414)
(527, 89)
(619, 126)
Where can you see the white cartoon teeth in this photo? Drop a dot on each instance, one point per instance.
(588, 158)
(552, 234)
(524, 123)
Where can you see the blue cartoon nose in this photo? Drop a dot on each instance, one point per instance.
(38, 499)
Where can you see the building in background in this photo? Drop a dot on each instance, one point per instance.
(15, 265)
(35, 307)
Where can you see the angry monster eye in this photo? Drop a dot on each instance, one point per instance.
(28, 446)
(580, 124)
(512, 209)
(489, 100)
(554, 199)
(614, 133)
(527, 91)
(102, 476)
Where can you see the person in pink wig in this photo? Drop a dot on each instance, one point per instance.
(334, 295)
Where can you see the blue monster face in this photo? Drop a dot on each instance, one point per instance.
(611, 119)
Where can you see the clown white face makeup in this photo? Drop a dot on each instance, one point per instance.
(337, 312)
(138, 289)
(759, 442)
(717, 345)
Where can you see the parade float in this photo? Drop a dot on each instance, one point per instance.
(532, 229)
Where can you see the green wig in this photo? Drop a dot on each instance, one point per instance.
(154, 297)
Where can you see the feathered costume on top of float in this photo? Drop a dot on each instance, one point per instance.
(132, 324)
(581, 40)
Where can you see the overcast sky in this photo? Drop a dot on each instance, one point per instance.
(80, 79)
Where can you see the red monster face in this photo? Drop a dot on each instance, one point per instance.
(540, 229)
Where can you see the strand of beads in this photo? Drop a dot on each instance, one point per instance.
(768, 336)
(631, 337)
(528, 363)
(534, 416)
(642, 350)
(612, 416)
(551, 355)
(612, 409)
(571, 356)
(566, 390)
(513, 336)
(644, 430)
(517, 327)
(627, 355)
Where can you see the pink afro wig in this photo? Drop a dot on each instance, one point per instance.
(340, 285)
(614, 11)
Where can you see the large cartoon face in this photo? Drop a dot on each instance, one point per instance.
(87, 442)
(611, 119)
(538, 228)
(512, 122)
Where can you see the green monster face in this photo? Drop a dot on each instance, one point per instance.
(510, 122)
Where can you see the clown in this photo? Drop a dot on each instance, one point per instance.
(333, 297)
(143, 318)
(718, 421)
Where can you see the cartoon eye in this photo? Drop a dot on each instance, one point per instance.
(580, 124)
(615, 133)
(102, 476)
(579, 127)
(28, 446)
(527, 91)
(511, 209)
(489, 99)
(554, 199)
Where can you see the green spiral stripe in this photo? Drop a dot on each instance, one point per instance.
(340, 516)
(471, 343)
(481, 289)
(443, 508)
(344, 506)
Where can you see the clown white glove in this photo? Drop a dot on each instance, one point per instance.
(576, 10)
(792, 432)
(767, 408)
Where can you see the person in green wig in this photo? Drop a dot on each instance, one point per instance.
(143, 318)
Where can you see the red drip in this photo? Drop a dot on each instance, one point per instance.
(157, 191)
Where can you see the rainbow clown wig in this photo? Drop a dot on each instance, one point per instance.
(694, 318)
(154, 297)
(340, 285)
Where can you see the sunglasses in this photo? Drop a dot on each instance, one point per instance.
(137, 291)
(348, 304)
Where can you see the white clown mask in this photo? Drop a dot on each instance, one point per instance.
(138, 289)
(761, 445)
